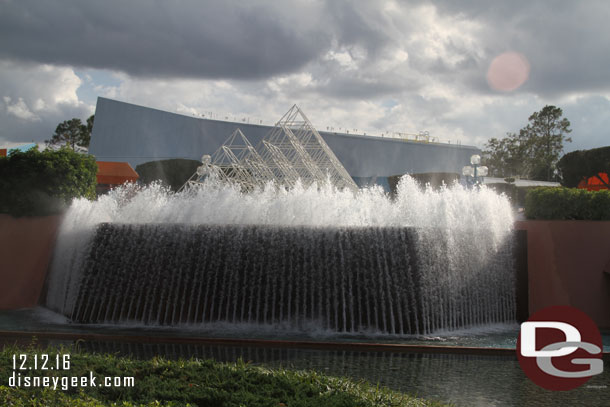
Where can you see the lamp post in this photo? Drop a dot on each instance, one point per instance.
(476, 171)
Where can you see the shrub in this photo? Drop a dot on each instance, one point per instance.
(583, 164)
(173, 173)
(44, 182)
(567, 204)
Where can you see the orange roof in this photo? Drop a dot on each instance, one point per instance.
(115, 173)
(2, 152)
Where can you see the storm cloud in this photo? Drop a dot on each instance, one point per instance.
(190, 38)
(377, 66)
(566, 44)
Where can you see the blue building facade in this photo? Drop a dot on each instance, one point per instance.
(137, 134)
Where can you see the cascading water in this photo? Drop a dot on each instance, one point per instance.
(345, 262)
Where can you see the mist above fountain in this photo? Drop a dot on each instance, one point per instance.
(294, 258)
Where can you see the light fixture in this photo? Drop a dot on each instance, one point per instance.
(475, 171)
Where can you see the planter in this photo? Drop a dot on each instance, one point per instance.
(26, 245)
(569, 264)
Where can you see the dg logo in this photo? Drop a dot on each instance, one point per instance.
(560, 348)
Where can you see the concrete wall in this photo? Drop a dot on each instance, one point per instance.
(569, 264)
(138, 134)
(26, 245)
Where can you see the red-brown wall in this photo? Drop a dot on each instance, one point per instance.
(26, 245)
(567, 265)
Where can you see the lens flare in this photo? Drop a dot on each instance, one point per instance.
(508, 71)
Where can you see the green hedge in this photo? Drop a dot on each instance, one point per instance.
(36, 183)
(173, 173)
(567, 204)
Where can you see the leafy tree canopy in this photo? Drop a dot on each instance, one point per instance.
(44, 182)
(72, 133)
(534, 151)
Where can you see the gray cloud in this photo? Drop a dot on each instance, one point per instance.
(590, 122)
(16, 130)
(227, 39)
(564, 41)
(358, 23)
(356, 88)
(404, 66)
(34, 99)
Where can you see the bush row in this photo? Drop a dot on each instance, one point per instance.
(567, 204)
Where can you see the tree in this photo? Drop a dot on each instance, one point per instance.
(73, 133)
(533, 152)
(547, 132)
(90, 125)
(37, 182)
(507, 156)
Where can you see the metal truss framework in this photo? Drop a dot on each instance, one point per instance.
(292, 152)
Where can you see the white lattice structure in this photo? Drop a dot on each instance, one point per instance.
(235, 161)
(293, 151)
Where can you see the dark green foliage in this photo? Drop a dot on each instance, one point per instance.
(197, 383)
(173, 173)
(534, 151)
(567, 204)
(44, 182)
(89, 125)
(72, 133)
(24, 397)
(583, 164)
(507, 156)
(547, 130)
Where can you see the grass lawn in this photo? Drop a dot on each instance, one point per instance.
(162, 382)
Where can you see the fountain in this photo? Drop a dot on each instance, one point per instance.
(342, 261)
(279, 235)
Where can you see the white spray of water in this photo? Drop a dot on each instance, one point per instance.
(464, 225)
(450, 207)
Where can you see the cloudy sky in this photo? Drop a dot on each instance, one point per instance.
(461, 70)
